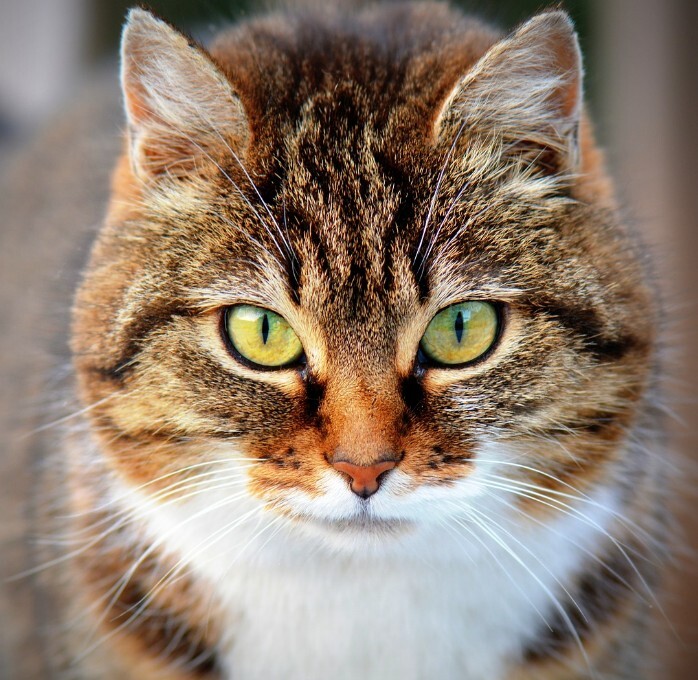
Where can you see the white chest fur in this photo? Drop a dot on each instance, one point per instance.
(447, 601)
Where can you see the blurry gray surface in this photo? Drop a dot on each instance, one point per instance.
(52, 197)
(42, 51)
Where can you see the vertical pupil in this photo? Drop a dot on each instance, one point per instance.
(265, 329)
(459, 326)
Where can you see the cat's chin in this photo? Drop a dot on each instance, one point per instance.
(363, 524)
(353, 532)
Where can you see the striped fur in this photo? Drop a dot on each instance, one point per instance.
(356, 175)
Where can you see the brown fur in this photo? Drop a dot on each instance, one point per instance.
(350, 129)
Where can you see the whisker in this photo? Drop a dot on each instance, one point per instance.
(622, 548)
(124, 517)
(168, 475)
(533, 493)
(215, 130)
(488, 520)
(123, 581)
(504, 570)
(590, 553)
(555, 602)
(437, 191)
(71, 416)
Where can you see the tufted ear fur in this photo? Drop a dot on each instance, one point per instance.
(525, 93)
(179, 105)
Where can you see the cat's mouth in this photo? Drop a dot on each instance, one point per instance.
(362, 523)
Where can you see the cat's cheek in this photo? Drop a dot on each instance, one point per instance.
(285, 472)
(143, 459)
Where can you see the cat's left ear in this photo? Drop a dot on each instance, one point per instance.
(525, 94)
(179, 105)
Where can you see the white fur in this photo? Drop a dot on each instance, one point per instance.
(424, 600)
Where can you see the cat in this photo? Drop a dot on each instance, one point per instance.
(367, 364)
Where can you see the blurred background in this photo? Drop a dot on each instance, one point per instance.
(57, 56)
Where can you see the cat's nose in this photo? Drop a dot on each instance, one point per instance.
(364, 479)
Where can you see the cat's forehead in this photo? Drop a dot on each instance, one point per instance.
(344, 200)
(351, 234)
(343, 124)
(346, 215)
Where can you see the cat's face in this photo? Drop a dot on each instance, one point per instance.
(353, 216)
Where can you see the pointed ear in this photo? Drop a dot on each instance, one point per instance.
(525, 93)
(178, 104)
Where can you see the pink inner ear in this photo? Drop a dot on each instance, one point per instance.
(567, 62)
(134, 100)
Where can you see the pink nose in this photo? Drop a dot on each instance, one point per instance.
(365, 479)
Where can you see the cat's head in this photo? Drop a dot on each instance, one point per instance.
(362, 271)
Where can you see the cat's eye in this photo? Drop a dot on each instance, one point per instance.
(460, 333)
(262, 337)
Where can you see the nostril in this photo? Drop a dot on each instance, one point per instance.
(364, 492)
(364, 480)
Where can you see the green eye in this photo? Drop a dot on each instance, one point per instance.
(262, 336)
(460, 333)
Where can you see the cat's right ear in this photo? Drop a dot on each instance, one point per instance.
(179, 105)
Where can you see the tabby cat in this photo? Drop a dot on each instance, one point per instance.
(366, 359)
